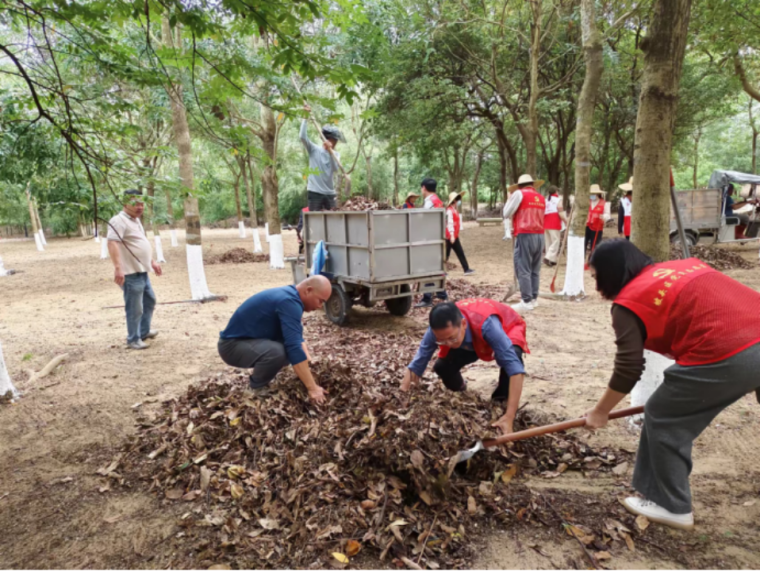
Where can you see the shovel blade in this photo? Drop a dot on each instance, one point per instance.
(465, 455)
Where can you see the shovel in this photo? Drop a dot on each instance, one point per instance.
(464, 455)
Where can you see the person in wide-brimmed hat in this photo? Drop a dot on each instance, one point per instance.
(453, 227)
(624, 210)
(526, 208)
(410, 200)
(595, 221)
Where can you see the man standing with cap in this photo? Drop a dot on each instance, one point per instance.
(453, 227)
(428, 188)
(526, 207)
(595, 221)
(624, 210)
(321, 192)
(410, 201)
(553, 217)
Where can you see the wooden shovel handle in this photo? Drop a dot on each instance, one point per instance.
(558, 427)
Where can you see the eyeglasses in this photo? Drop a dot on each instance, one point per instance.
(450, 341)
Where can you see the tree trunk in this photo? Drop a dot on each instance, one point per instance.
(755, 133)
(395, 176)
(33, 218)
(663, 48)
(592, 54)
(181, 129)
(696, 157)
(7, 390)
(474, 188)
(368, 163)
(250, 187)
(531, 132)
(271, 188)
(41, 231)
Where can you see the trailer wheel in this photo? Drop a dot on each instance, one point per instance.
(338, 306)
(400, 305)
(691, 238)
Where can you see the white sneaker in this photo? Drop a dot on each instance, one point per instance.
(139, 344)
(535, 303)
(522, 307)
(653, 512)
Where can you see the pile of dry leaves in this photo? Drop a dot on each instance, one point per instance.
(717, 258)
(279, 482)
(236, 256)
(458, 288)
(361, 203)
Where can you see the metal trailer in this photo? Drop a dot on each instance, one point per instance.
(376, 255)
(702, 217)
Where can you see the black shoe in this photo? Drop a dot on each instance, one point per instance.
(424, 303)
(469, 272)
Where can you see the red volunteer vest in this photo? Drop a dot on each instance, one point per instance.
(305, 209)
(437, 202)
(457, 222)
(552, 221)
(692, 313)
(595, 221)
(529, 218)
(476, 311)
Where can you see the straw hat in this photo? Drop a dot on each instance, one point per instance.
(453, 196)
(627, 186)
(411, 195)
(595, 190)
(526, 179)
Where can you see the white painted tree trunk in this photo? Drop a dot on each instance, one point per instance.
(256, 241)
(266, 232)
(576, 258)
(97, 239)
(38, 242)
(276, 252)
(198, 286)
(241, 228)
(159, 250)
(3, 271)
(6, 385)
(507, 229)
(104, 249)
(42, 237)
(173, 234)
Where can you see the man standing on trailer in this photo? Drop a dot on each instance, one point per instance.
(321, 191)
(526, 207)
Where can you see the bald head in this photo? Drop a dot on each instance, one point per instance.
(314, 292)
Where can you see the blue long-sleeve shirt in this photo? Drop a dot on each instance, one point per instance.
(273, 314)
(494, 335)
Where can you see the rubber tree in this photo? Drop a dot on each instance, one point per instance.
(7, 390)
(270, 186)
(181, 131)
(33, 218)
(592, 54)
(150, 166)
(664, 47)
(474, 185)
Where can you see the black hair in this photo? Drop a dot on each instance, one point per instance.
(132, 192)
(552, 189)
(524, 184)
(616, 263)
(430, 184)
(445, 314)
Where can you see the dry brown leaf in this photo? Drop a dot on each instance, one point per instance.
(269, 523)
(220, 567)
(341, 557)
(368, 504)
(629, 542)
(174, 494)
(425, 497)
(236, 491)
(418, 460)
(509, 473)
(642, 522)
(603, 556)
(205, 478)
(353, 547)
(620, 469)
(472, 506)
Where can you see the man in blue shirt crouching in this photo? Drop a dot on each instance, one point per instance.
(266, 334)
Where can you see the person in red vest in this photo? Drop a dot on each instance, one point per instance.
(595, 221)
(299, 229)
(526, 207)
(624, 210)
(453, 227)
(428, 188)
(469, 330)
(706, 321)
(411, 199)
(553, 217)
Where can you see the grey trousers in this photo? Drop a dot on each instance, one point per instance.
(677, 413)
(267, 358)
(529, 251)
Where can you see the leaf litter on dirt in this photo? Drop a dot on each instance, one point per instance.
(716, 258)
(278, 482)
(236, 256)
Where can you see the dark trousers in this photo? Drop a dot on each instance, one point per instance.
(593, 239)
(528, 256)
(265, 357)
(676, 414)
(457, 247)
(319, 202)
(440, 295)
(139, 303)
(449, 369)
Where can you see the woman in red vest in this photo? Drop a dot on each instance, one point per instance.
(595, 221)
(706, 321)
(469, 330)
(453, 227)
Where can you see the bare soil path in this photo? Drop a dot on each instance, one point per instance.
(56, 512)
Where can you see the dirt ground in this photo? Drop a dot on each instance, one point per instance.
(56, 512)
